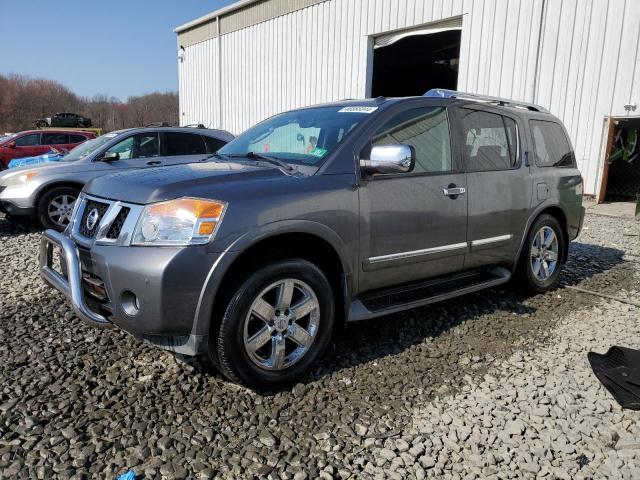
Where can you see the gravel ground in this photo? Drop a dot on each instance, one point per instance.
(492, 385)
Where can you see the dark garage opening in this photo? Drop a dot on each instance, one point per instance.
(415, 64)
(623, 176)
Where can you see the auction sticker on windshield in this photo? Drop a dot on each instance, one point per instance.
(358, 109)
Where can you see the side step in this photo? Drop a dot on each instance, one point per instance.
(384, 302)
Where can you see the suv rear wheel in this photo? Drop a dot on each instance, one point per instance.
(541, 258)
(56, 206)
(276, 325)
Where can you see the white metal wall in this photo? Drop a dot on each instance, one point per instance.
(581, 61)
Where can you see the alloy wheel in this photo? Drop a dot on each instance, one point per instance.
(282, 324)
(61, 208)
(544, 253)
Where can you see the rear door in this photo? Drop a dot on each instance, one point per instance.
(56, 140)
(411, 228)
(183, 147)
(499, 185)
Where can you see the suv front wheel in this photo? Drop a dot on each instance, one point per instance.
(276, 325)
(541, 259)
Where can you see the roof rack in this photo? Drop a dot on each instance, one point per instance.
(505, 102)
(194, 125)
(158, 124)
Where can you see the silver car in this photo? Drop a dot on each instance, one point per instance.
(48, 191)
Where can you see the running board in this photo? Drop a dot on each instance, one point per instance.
(384, 302)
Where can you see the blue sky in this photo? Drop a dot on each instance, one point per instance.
(119, 48)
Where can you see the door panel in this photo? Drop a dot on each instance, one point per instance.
(138, 151)
(412, 229)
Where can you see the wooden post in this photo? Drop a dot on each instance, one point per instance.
(610, 129)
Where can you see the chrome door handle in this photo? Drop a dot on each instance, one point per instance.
(451, 191)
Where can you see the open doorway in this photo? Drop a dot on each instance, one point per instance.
(621, 172)
(416, 63)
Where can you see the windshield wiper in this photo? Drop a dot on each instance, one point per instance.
(266, 158)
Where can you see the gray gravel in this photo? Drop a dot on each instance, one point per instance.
(491, 385)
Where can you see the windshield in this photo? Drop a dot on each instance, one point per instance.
(87, 148)
(302, 137)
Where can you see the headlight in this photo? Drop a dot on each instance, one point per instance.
(20, 179)
(184, 221)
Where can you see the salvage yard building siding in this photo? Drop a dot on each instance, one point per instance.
(579, 58)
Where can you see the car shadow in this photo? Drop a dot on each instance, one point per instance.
(11, 227)
(463, 332)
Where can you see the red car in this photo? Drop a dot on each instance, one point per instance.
(37, 142)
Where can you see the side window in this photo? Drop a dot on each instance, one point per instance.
(137, 146)
(177, 143)
(427, 131)
(73, 138)
(550, 145)
(29, 140)
(55, 138)
(213, 144)
(489, 141)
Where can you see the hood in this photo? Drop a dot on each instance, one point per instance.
(165, 183)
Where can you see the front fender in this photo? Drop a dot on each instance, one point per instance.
(250, 238)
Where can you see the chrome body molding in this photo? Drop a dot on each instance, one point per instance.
(418, 253)
(485, 241)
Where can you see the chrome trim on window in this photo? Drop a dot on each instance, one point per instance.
(484, 241)
(417, 253)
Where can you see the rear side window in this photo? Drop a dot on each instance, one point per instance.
(550, 144)
(76, 138)
(213, 144)
(28, 140)
(55, 138)
(427, 131)
(489, 141)
(177, 143)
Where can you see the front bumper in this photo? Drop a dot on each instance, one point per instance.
(166, 282)
(11, 208)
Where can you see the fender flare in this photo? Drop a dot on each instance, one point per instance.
(221, 266)
(536, 212)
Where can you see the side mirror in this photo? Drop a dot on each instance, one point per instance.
(110, 157)
(10, 144)
(390, 159)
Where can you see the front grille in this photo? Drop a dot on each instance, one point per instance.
(96, 295)
(90, 206)
(116, 226)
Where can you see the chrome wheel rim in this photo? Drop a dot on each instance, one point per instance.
(61, 208)
(282, 324)
(544, 253)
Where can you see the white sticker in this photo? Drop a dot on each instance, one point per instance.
(358, 109)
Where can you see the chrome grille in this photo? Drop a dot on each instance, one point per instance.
(116, 226)
(89, 209)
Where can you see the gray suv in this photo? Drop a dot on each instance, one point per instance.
(320, 216)
(48, 191)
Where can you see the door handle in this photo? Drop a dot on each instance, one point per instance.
(453, 191)
(154, 162)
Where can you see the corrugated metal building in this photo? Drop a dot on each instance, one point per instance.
(255, 58)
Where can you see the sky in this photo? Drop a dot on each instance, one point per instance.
(115, 47)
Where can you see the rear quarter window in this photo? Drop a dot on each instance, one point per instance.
(550, 144)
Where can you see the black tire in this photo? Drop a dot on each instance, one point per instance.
(41, 124)
(47, 220)
(227, 339)
(527, 279)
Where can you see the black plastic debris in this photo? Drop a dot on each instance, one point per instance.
(619, 371)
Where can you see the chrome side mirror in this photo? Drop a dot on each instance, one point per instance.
(389, 159)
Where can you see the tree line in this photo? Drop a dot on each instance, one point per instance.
(23, 100)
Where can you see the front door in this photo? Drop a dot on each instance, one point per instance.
(415, 224)
(137, 151)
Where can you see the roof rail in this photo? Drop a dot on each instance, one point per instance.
(194, 125)
(443, 93)
(158, 124)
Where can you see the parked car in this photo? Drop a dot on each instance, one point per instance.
(53, 155)
(48, 191)
(256, 258)
(36, 142)
(64, 120)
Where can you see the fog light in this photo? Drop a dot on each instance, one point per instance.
(130, 303)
